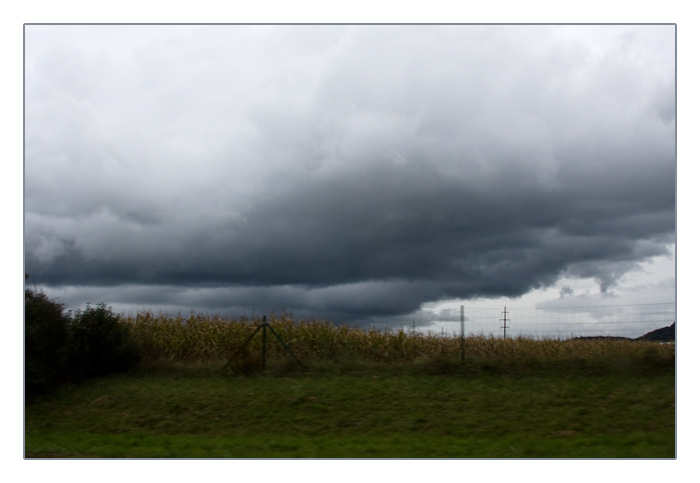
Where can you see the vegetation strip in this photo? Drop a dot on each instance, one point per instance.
(100, 385)
(170, 415)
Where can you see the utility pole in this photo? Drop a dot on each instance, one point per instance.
(461, 311)
(504, 320)
(264, 326)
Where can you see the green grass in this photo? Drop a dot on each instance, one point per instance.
(199, 412)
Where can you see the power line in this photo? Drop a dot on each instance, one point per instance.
(581, 316)
(535, 324)
(576, 331)
(590, 306)
(629, 314)
(571, 307)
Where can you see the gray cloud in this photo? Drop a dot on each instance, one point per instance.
(346, 171)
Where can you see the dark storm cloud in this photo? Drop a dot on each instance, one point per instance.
(351, 172)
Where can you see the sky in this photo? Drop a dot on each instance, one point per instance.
(376, 175)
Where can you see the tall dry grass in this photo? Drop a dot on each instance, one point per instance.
(318, 343)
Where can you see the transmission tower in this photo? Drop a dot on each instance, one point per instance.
(504, 320)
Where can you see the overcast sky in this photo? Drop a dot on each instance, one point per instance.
(365, 174)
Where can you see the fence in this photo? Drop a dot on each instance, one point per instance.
(557, 322)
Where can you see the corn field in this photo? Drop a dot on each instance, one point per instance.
(212, 339)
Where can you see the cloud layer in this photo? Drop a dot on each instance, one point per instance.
(345, 171)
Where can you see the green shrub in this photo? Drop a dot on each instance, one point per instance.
(46, 336)
(100, 344)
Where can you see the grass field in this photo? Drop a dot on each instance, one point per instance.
(363, 395)
(185, 415)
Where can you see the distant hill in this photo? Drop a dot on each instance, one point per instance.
(601, 337)
(664, 334)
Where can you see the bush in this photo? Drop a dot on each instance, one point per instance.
(46, 337)
(100, 344)
(58, 349)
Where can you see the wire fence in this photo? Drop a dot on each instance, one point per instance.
(557, 322)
